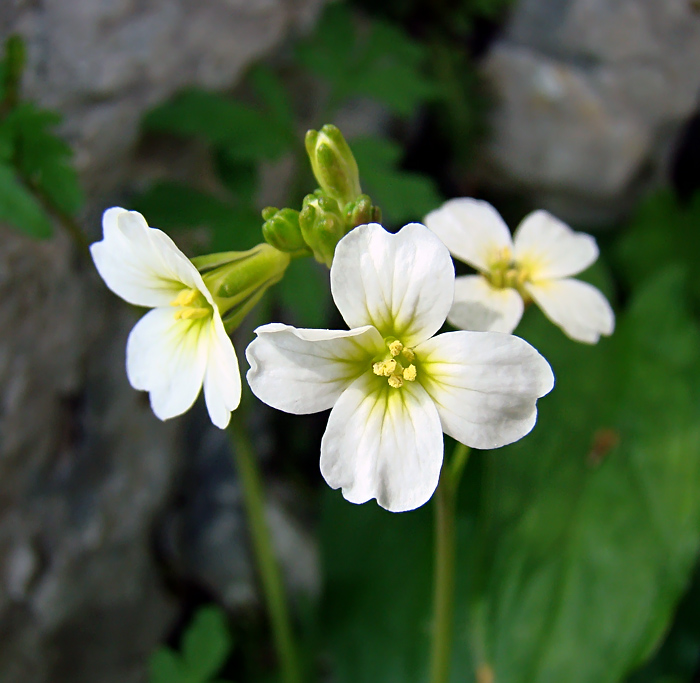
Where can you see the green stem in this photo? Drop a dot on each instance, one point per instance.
(270, 576)
(444, 573)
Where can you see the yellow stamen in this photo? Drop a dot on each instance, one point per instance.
(191, 313)
(395, 381)
(384, 368)
(185, 297)
(409, 355)
(410, 373)
(395, 348)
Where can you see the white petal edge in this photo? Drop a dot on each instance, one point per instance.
(222, 380)
(141, 264)
(167, 358)
(485, 385)
(305, 371)
(578, 308)
(472, 230)
(401, 284)
(383, 443)
(550, 249)
(480, 307)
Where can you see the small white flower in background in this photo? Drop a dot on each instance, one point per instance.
(180, 344)
(536, 264)
(393, 387)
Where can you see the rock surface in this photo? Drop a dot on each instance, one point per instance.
(85, 469)
(590, 98)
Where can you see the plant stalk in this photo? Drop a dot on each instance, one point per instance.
(444, 571)
(268, 568)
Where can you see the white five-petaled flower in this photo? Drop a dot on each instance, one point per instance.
(180, 344)
(536, 264)
(393, 387)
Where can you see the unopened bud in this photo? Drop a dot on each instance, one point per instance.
(281, 230)
(333, 164)
(361, 212)
(238, 279)
(322, 226)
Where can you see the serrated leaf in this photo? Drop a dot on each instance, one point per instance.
(42, 157)
(206, 644)
(165, 666)
(172, 206)
(249, 133)
(592, 522)
(402, 196)
(20, 208)
(382, 62)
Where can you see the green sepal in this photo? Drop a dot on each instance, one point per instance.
(322, 225)
(333, 164)
(361, 212)
(281, 230)
(238, 279)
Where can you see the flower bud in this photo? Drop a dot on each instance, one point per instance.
(333, 164)
(238, 279)
(322, 225)
(361, 212)
(281, 230)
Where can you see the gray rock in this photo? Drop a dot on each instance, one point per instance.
(590, 96)
(86, 470)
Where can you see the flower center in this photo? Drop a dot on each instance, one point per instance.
(191, 305)
(506, 273)
(397, 366)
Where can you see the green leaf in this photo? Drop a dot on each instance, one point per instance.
(591, 524)
(206, 644)
(306, 293)
(19, 207)
(401, 195)
(274, 95)
(165, 666)
(248, 132)
(382, 62)
(661, 232)
(173, 206)
(375, 618)
(42, 157)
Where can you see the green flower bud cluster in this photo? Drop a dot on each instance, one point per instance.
(331, 211)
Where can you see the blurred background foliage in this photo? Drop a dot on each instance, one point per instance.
(578, 545)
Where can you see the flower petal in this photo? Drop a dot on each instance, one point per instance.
(305, 371)
(484, 384)
(222, 380)
(551, 249)
(578, 308)
(167, 357)
(472, 230)
(481, 307)
(141, 264)
(401, 284)
(383, 443)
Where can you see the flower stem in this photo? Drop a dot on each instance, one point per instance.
(268, 569)
(444, 573)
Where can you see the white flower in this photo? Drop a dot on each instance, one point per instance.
(180, 344)
(393, 387)
(536, 264)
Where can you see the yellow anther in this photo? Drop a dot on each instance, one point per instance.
(185, 297)
(191, 313)
(384, 368)
(395, 381)
(395, 348)
(410, 373)
(408, 354)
